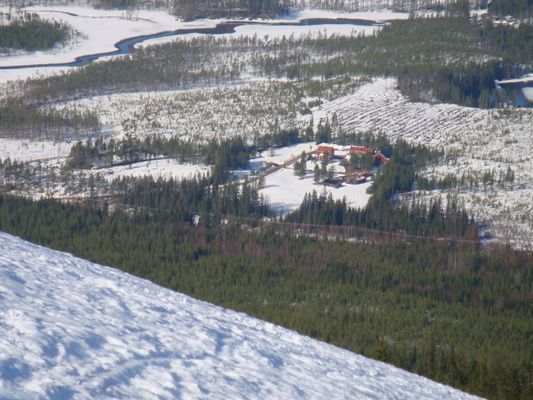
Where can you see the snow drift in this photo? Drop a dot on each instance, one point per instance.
(73, 329)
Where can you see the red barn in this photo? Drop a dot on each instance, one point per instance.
(381, 158)
(360, 150)
(325, 151)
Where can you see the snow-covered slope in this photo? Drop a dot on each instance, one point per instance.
(73, 329)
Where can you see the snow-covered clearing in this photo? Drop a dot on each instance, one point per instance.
(73, 329)
(250, 107)
(378, 15)
(282, 154)
(285, 191)
(326, 30)
(28, 150)
(269, 31)
(160, 168)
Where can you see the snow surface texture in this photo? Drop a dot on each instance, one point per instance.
(380, 106)
(73, 329)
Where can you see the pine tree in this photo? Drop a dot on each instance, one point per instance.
(317, 173)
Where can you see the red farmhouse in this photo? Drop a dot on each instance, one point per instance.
(325, 151)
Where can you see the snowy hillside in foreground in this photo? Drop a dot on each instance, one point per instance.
(73, 329)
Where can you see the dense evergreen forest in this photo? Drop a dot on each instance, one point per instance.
(33, 33)
(19, 120)
(517, 8)
(444, 309)
(192, 9)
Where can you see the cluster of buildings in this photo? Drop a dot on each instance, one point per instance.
(351, 174)
(332, 151)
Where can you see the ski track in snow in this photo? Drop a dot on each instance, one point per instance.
(73, 329)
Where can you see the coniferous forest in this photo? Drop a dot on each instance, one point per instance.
(407, 285)
(445, 309)
(33, 33)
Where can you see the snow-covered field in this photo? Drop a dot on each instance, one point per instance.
(326, 30)
(250, 107)
(280, 155)
(161, 168)
(73, 329)
(285, 191)
(269, 31)
(28, 150)
(377, 15)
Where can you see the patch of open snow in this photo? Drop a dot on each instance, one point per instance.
(282, 154)
(326, 30)
(377, 16)
(29, 150)
(268, 30)
(159, 168)
(72, 328)
(285, 191)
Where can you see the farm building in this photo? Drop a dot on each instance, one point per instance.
(381, 158)
(356, 178)
(360, 150)
(325, 151)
